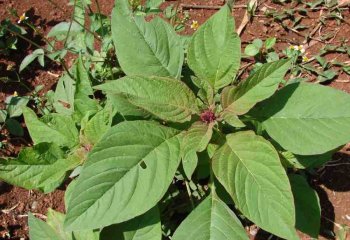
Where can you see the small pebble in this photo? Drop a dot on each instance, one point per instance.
(34, 205)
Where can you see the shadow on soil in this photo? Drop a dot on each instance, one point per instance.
(10, 78)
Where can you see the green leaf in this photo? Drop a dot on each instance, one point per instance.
(69, 191)
(125, 175)
(14, 127)
(146, 48)
(270, 42)
(42, 167)
(15, 104)
(232, 119)
(249, 168)
(82, 101)
(211, 220)
(257, 87)
(327, 75)
(125, 108)
(39, 230)
(53, 229)
(272, 57)
(64, 95)
(144, 227)
(83, 82)
(58, 170)
(305, 161)
(61, 30)
(251, 50)
(31, 57)
(97, 126)
(307, 119)
(166, 98)
(154, 4)
(55, 221)
(3, 115)
(214, 53)
(307, 206)
(196, 139)
(59, 129)
(258, 43)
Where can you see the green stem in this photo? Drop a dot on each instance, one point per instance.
(189, 194)
(99, 16)
(46, 52)
(70, 24)
(97, 37)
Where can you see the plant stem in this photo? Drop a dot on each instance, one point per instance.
(70, 24)
(46, 52)
(99, 16)
(189, 194)
(96, 36)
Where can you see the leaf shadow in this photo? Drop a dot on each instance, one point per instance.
(335, 174)
(327, 219)
(327, 214)
(269, 109)
(116, 231)
(4, 188)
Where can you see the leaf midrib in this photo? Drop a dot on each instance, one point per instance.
(148, 24)
(253, 176)
(112, 186)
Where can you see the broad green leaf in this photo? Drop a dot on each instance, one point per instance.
(42, 167)
(39, 230)
(125, 108)
(211, 220)
(214, 53)
(147, 226)
(60, 30)
(55, 221)
(56, 128)
(146, 48)
(306, 118)
(307, 206)
(166, 98)
(87, 235)
(53, 229)
(69, 192)
(305, 161)
(95, 127)
(125, 175)
(249, 168)
(257, 87)
(58, 170)
(196, 139)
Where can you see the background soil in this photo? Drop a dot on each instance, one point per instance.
(331, 182)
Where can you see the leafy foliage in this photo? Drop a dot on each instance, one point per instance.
(159, 139)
